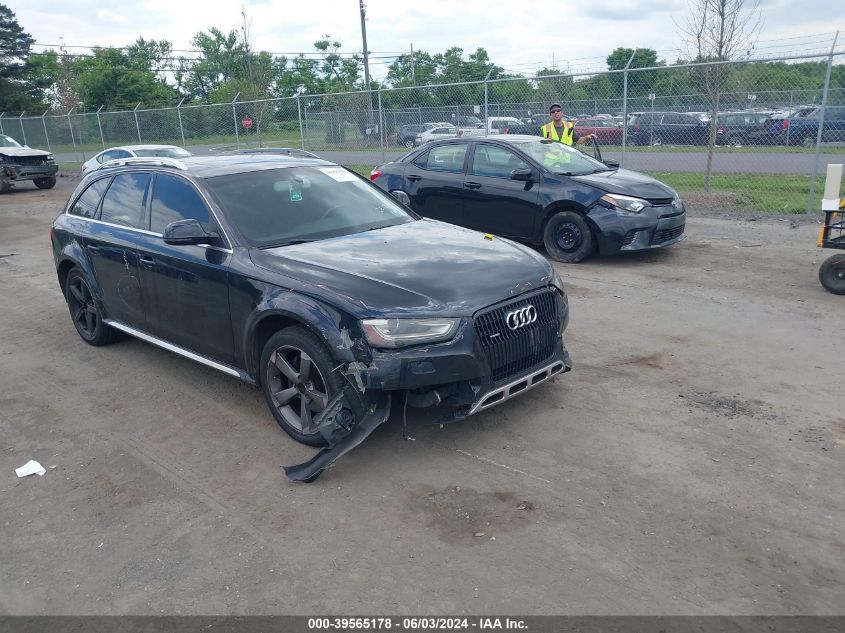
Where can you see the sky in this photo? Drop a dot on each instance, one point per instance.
(522, 36)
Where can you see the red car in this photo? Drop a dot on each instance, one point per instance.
(606, 130)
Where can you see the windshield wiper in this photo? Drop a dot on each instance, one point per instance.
(289, 243)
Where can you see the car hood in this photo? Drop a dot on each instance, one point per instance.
(628, 183)
(22, 151)
(422, 267)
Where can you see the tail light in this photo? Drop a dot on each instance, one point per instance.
(375, 173)
(720, 130)
(460, 132)
(505, 130)
(784, 124)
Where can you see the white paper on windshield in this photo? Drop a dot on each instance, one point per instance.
(339, 174)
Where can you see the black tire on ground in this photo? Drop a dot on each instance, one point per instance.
(656, 139)
(5, 185)
(832, 274)
(567, 237)
(408, 142)
(735, 140)
(808, 141)
(45, 183)
(297, 377)
(84, 311)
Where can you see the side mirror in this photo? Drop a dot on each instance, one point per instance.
(187, 232)
(524, 174)
(612, 163)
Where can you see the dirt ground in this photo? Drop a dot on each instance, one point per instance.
(691, 463)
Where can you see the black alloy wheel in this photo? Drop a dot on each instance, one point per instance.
(84, 312)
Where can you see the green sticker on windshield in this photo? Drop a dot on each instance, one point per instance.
(295, 192)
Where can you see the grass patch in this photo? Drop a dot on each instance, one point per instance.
(768, 193)
(723, 149)
(70, 167)
(364, 170)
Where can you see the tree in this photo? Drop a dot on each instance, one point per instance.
(640, 82)
(716, 30)
(19, 90)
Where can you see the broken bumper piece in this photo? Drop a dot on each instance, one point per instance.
(342, 439)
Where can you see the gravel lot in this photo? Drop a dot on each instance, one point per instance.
(691, 463)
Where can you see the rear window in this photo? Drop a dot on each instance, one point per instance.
(86, 204)
(444, 158)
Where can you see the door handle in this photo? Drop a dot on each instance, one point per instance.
(414, 177)
(472, 185)
(146, 261)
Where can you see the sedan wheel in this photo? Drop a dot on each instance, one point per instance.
(568, 237)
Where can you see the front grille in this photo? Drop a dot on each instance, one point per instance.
(29, 161)
(511, 352)
(664, 235)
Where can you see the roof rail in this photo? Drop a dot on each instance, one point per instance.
(158, 161)
(287, 151)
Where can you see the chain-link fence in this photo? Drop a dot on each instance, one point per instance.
(752, 134)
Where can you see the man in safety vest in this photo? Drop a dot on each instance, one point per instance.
(562, 131)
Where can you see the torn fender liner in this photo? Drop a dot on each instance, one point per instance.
(310, 470)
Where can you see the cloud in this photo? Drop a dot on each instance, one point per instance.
(104, 15)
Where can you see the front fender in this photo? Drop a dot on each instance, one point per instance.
(337, 330)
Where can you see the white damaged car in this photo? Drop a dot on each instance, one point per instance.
(20, 163)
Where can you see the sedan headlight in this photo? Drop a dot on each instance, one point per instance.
(625, 203)
(49, 158)
(393, 333)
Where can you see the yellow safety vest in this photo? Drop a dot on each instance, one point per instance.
(550, 131)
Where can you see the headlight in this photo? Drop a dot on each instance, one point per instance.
(625, 203)
(50, 157)
(557, 282)
(392, 333)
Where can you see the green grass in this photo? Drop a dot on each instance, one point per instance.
(70, 167)
(726, 149)
(767, 193)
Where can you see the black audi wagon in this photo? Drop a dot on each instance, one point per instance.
(306, 280)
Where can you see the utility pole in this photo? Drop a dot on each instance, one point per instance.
(364, 37)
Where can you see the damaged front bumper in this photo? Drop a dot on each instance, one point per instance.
(470, 373)
(15, 171)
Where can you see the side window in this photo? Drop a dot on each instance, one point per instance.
(113, 154)
(495, 161)
(125, 203)
(175, 199)
(446, 158)
(670, 119)
(86, 205)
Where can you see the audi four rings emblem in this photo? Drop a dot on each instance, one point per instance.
(521, 318)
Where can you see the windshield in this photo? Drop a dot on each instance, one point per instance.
(561, 159)
(275, 207)
(8, 141)
(163, 152)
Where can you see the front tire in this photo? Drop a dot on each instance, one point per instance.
(84, 312)
(5, 185)
(298, 381)
(567, 237)
(45, 183)
(832, 274)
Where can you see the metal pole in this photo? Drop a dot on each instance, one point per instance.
(625, 109)
(70, 127)
(299, 115)
(235, 119)
(137, 125)
(100, 125)
(20, 122)
(486, 79)
(179, 115)
(811, 197)
(789, 113)
(381, 125)
(46, 136)
(1, 122)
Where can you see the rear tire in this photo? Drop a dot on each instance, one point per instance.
(568, 238)
(832, 274)
(5, 185)
(84, 311)
(45, 183)
(298, 379)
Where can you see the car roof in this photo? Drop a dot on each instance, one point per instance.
(134, 147)
(223, 165)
